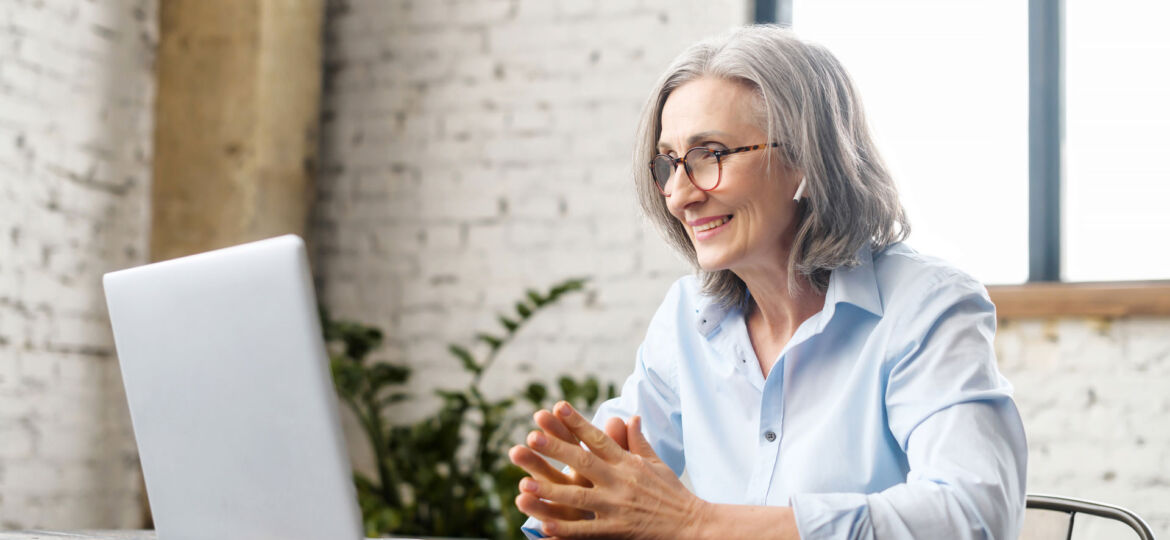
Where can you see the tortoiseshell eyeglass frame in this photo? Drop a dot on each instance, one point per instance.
(687, 167)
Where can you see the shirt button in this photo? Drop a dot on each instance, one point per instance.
(770, 436)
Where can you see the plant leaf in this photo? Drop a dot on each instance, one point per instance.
(523, 310)
(465, 357)
(566, 286)
(451, 397)
(383, 373)
(493, 341)
(359, 339)
(536, 394)
(508, 323)
(396, 397)
(590, 391)
(348, 378)
(568, 388)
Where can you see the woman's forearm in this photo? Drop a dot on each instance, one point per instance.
(720, 521)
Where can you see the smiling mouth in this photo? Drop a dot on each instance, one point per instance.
(712, 224)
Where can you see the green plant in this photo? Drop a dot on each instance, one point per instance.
(447, 474)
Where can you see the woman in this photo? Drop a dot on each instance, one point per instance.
(818, 378)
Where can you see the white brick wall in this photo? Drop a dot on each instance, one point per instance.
(76, 86)
(1094, 395)
(473, 148)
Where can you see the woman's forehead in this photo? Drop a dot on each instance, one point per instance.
(708, 105)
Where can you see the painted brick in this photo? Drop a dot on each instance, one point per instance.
(16, 441)
(1087, 390)
(77, 85)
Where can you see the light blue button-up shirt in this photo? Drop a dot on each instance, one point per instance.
(883, 417)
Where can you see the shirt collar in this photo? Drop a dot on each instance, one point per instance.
(855, 285)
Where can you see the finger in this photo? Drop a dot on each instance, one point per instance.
(594, 438)
(615, 428)
(583, 462)
(578, 479)
(571, 496)
(531, 462)
(638, 443)
(554, 427)
(581, 529)
(542, 510)
(535, 465)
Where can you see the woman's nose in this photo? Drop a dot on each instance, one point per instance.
(682, 190)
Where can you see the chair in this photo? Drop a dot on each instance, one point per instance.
(1052, 517)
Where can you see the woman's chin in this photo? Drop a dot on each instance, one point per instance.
(711, 264)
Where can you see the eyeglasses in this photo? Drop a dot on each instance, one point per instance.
(704, 166)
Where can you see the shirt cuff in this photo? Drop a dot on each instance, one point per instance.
(531, 529)
(832, 515)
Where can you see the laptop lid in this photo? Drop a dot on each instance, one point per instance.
(230, 395)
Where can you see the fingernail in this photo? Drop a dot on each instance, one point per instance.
(563, 409)
(528, 485)
(537, 440)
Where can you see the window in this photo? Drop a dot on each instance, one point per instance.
(945, 89)
(1117, 107)
(1025, 137)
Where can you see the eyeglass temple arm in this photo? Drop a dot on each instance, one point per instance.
(747, 148)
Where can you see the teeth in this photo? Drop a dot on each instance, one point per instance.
(711, 224)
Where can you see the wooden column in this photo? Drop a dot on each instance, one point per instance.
(235, 122)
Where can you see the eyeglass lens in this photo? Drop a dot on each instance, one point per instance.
(701, 164)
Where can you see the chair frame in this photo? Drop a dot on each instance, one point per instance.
(1072, 507)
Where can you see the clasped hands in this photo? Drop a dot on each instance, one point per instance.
(617, 486)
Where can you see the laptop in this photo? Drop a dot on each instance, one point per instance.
(230, 396)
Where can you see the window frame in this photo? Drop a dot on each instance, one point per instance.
(1044, 294)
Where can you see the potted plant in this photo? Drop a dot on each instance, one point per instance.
(447, 474)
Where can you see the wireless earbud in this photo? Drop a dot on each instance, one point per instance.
(799, 191)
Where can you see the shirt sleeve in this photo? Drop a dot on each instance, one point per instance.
(650, 391)
(952, 414)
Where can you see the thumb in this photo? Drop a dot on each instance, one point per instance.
(638, 443)
(617, 429)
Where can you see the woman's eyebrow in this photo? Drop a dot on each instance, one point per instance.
(698, 138)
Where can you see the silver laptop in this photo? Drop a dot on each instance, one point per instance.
(230, 395)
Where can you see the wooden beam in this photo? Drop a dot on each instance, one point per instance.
(1081, 299)
(236, 116)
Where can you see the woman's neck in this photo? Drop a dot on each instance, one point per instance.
(775, 310)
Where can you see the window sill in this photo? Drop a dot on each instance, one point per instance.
(1081, 299)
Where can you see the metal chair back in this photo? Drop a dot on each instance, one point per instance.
(1053, 517)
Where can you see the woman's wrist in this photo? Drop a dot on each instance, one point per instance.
(703, 522)
(712, 521)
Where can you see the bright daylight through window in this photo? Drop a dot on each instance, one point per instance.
(945, 90)
(1117, 178)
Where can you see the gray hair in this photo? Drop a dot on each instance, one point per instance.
(809, 105)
